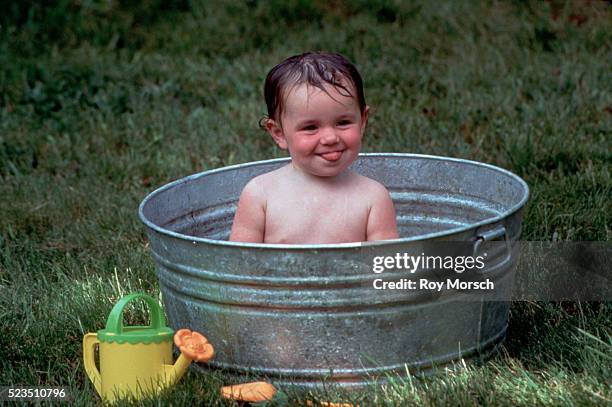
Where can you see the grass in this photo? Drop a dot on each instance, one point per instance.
(101, 102)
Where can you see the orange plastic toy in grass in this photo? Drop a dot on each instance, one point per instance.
(193, 345)
(250, 392)
(309, 403)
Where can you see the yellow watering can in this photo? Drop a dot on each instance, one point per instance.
(137, 360)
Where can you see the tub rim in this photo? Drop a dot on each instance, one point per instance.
(329, 246)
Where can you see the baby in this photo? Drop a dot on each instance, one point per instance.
(317, 111)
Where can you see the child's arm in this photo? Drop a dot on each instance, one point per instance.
(250, 220)
(381, 219)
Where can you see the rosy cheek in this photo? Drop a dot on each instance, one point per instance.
(305, 143)
(354, 137)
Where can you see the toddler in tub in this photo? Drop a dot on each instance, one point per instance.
(317, 111)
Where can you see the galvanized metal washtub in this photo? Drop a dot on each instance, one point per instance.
(304, 314)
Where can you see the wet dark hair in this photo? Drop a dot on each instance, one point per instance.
(315, 69)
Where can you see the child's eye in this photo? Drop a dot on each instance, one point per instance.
(310, 127)
(344, 122)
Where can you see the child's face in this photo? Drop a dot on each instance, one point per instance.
(323, 133)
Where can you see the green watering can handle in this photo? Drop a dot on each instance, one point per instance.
(115, 319)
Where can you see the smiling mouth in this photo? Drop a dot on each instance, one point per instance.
(331, 156)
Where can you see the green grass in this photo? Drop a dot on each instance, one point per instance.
(100, 103)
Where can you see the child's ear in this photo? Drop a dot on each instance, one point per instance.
(364, 118)
(276, 132)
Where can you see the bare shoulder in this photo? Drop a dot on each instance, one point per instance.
(250, 218)
(252, 191)
(382, 222)
(262, 184)
(374, 190)
(269, 179)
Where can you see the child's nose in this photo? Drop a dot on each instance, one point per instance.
(329, 136)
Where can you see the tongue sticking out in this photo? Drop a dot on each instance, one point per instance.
(333, 156)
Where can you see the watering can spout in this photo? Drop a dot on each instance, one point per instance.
(176, 371)
(193, 346)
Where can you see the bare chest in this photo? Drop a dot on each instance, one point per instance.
(318, 218)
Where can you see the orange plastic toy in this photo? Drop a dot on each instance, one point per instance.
(193, 345)
(250, 392)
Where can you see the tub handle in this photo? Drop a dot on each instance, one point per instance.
(490, 235)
